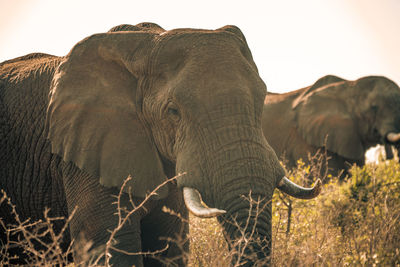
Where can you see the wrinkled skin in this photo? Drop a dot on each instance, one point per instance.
(351, 116)
(143, 101)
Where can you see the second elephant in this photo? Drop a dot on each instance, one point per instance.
(345, 117)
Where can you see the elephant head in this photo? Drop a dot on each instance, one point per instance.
(355, 115)
(152, 103)
(345, 117)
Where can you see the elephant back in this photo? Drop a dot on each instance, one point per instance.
(144, 26)
(324, 81)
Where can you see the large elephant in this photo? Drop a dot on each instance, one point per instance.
(344, 117)
(141, 101)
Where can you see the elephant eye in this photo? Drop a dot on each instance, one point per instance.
(173, 112)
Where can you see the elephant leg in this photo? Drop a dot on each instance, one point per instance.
(161, 229)
(96, 216)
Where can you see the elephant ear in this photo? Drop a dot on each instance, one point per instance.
(323, 120)
(93, 116)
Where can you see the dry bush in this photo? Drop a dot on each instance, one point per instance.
(42, 244)
(208, 246)
(352, 223)
(207, 242)
(39, 241)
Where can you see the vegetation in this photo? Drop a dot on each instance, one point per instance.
(356, 222)
(352, 223)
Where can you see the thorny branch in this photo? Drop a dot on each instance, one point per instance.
(122, 220)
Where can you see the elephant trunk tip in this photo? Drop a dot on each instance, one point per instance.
(294, 190)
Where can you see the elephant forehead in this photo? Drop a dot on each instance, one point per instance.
(206, 60)
(192, 36)
(206, 66)
(204, 46)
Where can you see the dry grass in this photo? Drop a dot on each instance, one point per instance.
(353, 223)
(207, 243)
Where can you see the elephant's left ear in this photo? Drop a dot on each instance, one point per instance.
(93, 117)
(323, 120)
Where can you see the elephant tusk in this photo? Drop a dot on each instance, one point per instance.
(193, 202)
(294, 190)
(393, 137)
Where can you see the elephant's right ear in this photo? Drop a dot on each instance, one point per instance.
(93, 117)
(323, 120)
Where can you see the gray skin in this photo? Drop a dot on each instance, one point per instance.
(143, 101)
(353, 115)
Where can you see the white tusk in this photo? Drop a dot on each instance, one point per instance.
(393, 137)
(193, 202)
(294, 190)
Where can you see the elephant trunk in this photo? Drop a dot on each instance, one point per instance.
(247, 223)
(237, 181)
(389, 151)
(247, 228)
(392, 138)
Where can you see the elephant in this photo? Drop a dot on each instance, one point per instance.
(150, 103)
(344, 118)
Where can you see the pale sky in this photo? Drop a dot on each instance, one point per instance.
(293, 42)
